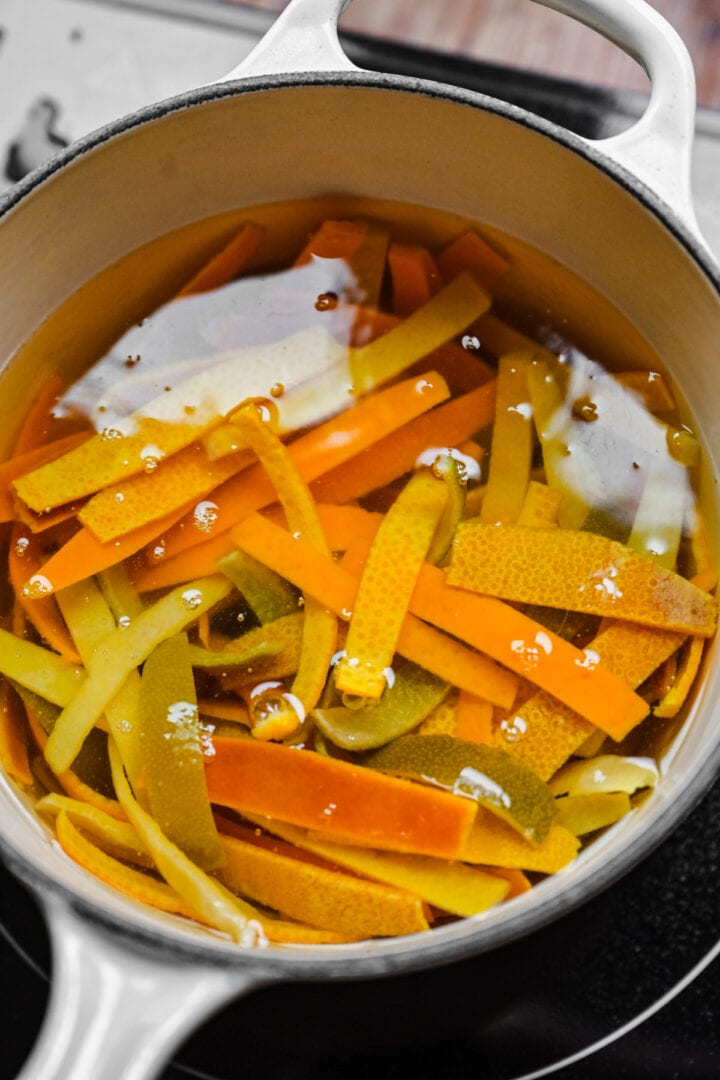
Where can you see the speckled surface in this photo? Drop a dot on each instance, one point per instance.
(528, 1005)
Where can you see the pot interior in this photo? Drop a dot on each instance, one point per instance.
(587, 249)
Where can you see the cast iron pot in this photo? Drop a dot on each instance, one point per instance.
(297, 119)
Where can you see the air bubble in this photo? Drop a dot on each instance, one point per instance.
(108, 434)
(470, 342)
(37, 586)
(21, 546)
(274, 712)
(326, 301)
(513, 729)
(205, 515)
(192, 598)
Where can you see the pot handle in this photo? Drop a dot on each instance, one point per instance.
(303, 38)
(116, 1011)
(656, 150)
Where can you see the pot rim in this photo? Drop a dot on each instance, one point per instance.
(578, 144)
(465, 937)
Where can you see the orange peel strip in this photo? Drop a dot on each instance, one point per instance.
(450, 886)
(84, 555)
(230, 261)
(651, 386)
(334, 239)
(540, 506)
(474, 718)
(70, 782)
(498, 338)
(386, 585)
(444, 316)
(146, 890)
(577, 571)
(273, 873)
(527, 648)
(22, 463)
(336, 588)
(173, 420)
(689, 664)
(319, 625)
(449, 425)
(131, 882)
(331, 443)
(512, 443)
(300, 786)
(414, 275)
(24, 562)
(172, 484)
(470, 251)
(492, 843)
(544, 732)
(13, 738)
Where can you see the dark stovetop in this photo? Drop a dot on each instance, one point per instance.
(628, 985)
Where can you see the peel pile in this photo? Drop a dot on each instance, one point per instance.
(347, 633)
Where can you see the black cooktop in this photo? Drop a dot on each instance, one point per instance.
(628, 985)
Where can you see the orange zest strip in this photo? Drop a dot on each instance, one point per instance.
(704, 573)
(334, 586)
(494, 843)
(449, 425)
(13, 738)
(158, 894)
(676, 696)
(331, 443)
(334, 239)
(414, 275)
(319, 625)
(25, 561)
(386, 584)
(125, 878)
(470, 252)
(195, 561)
(474, 718)
(70, 782)
(172, 484)
(19, 464)
(362, 247)
(519, 882)
(300, 787)
(175, 419)
(450, 886)
(544, 733)
(577, 571)
(512, 443)
(347, 525)
(444, 316)
(540, 506)
(527, 648)
(227, 263)
(276, 874)
(34, 429)
(443, 719)
(651, 386)
(84, 555)
(498, 338)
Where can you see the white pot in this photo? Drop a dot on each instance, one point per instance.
(296, 120)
